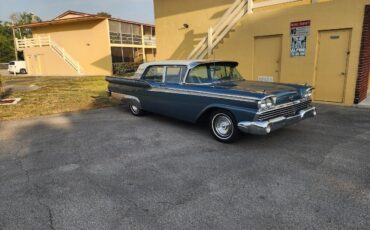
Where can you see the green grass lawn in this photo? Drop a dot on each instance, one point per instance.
(56, 95)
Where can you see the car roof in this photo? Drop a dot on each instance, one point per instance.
(189, 63)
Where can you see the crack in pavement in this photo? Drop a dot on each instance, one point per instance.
(47, 207)
(36, 189)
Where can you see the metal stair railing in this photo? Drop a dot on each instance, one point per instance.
(65, 56)
(231, 17)
(24, 43)
(215, 34)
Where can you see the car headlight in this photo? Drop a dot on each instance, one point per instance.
(266, 103)
(269, 102)
(262, 104)
(308, 93)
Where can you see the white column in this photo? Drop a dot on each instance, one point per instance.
(250, 6)
(210, 41)
(143, 43)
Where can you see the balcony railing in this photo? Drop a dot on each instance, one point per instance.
(150, 41)
(21, 44)
(131, 39)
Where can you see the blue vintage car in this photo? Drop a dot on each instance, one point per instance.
(195, 90)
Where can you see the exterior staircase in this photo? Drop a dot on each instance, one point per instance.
(227, 22)
(24, 43)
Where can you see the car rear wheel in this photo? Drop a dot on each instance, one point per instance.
(23, 71)
(135, 110)
(223, 126)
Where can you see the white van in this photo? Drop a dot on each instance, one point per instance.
(17, 67)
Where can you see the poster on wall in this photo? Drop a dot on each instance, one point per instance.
(299, 32)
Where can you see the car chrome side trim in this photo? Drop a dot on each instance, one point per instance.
(206, 94)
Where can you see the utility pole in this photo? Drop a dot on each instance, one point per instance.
(15, 43)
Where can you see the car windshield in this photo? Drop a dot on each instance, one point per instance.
(214, 72)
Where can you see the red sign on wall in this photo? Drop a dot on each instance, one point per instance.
(300, 24)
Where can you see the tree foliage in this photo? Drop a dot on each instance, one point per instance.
(6, 33)
(6, 42)
(104, 14)
(22, 19)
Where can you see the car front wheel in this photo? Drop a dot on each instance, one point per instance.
(223, 126)
(135, 110)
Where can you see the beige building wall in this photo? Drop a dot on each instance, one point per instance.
(176, 42)
(44, 61)
(86, 41)
(150, 55)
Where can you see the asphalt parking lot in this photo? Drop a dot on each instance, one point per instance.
(4, 72)
(106, 169)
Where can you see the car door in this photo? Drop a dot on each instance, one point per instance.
(151, 99)
(184, 100)
(172, 93)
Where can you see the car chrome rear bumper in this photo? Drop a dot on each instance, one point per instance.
(265, 127)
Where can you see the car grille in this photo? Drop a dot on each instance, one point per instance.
(286, 111)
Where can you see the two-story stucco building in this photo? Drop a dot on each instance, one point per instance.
(324, 43)
(76, 43)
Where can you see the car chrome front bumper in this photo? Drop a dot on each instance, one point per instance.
(265, 127)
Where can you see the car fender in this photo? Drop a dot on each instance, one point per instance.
(126, 98)
(240, 113)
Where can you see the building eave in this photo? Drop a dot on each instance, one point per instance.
(61, 21)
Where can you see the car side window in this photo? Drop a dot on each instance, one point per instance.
(154, 73)
(174, 74)
(198, 75)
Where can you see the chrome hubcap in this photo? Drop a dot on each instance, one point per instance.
(223, 126)
(134, 109)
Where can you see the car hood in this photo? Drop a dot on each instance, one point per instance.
(258, 87)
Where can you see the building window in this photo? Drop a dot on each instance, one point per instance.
(115, 32)
(116, 54)
(126, 59)
(149, 35)
(127, 33)
(124, 33)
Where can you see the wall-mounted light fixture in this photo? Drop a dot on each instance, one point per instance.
(185, 26)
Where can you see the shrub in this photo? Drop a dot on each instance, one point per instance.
(122, 68)
(1, 87)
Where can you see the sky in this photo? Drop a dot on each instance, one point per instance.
(135, 10)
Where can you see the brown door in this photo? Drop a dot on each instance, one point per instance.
(331, 67)
(267, 56)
